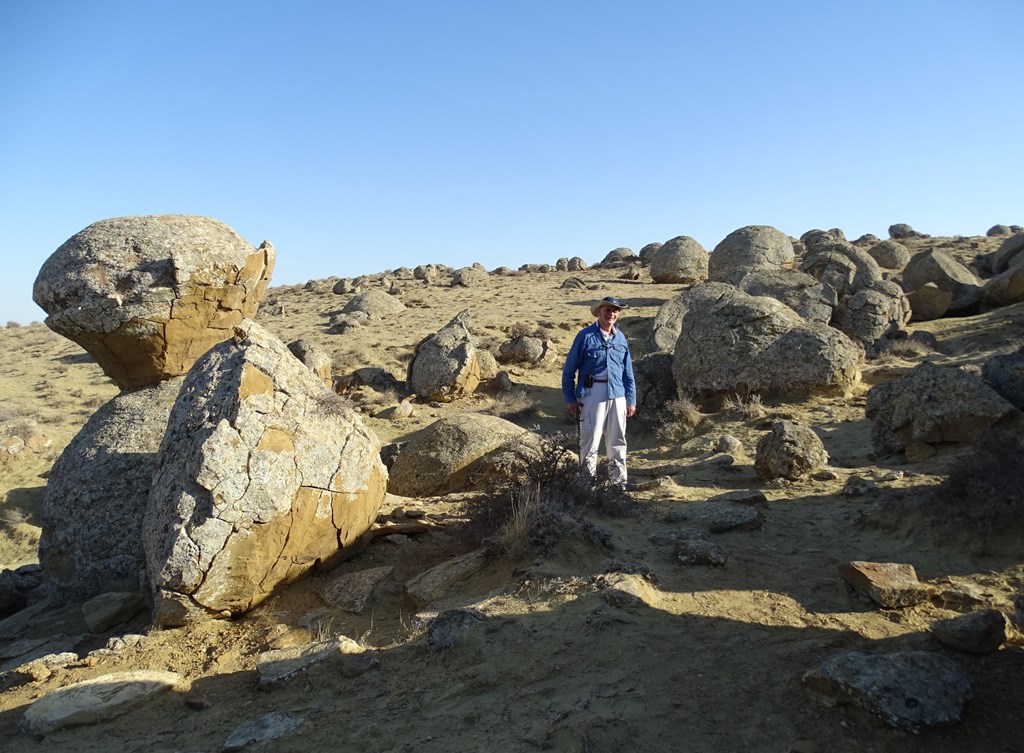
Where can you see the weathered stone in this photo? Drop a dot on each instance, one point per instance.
(147, 296)
(444, 365)
(910, 690)
(95, 700)
(976, 632)
(929, 302)
(439, 459)
(315, 359)
(947, 273)
(789, 451)
(617, 258)
(872, 313)
(469, 277)
(811, 299)
(696, 551)
(1005, 374)
(445, 630)
(742, 344)
(749, 248)
(933, 404)
(277, 666)
(1006, 288)
(438, 580)
(722, 520)
(522, 349)
(681, 261)
(96, 496)
(888, 584)
(890, 254)
(263, 729)
(843, 267)
(262, 474)
(647, 253)
(655, 384)
(376, 304)
(353, 591)
(111, 608)
(668, 320)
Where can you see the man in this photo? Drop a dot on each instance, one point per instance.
(599, 389)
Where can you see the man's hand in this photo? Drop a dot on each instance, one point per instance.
(630, 410)
(574, 410)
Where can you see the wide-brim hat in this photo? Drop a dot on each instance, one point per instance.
(611, 301)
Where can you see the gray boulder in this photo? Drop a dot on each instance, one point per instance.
(751, 247)
(427, 272)
(976, 633)
(576, 264)
(947, 273)
(1005, 288)
(789, 451)
(618, 258)
(681, 260)
(522, 349)
(647, 252)
(1010, 253)
(376, 304)
(872, 314)
(902, 230)
(811, 299)
(843, 266)
(890, 254)
(745, 344)
(668, 320)
(655, 384)
(440, 458)
(929, 302)
(909, 690)
(444, 366)
(146, 296)
(1005, 374)
(262, 473)
(469, 277)
(315, 359)
(933, 404)
(96, 495)
(998, 230)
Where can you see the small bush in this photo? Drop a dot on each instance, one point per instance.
(513, 405)
(543, 501)
(679, 419)
(984, 492)
(748, 408)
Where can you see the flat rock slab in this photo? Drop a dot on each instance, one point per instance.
(263, 729)
(435, 582)
(352, 591)
(890, 585)
(909, 690)
(95, 700)
(276, 667)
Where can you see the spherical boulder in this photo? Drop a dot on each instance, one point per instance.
(681, 261)
(748, 248)
(147, 296)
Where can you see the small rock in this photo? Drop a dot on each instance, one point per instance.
(856, 486)
(274, 668)
(740, 519)
(263, 729)
(447, 628)
(890, 585)
(111, 608)
(700, 552)
(976, 633)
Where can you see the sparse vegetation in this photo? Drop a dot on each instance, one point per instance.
(513, 405)
(679, 419)
(749, 408)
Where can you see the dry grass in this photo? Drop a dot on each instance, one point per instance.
(679, 419)
(513, 405)
(748, 408)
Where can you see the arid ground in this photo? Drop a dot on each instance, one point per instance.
(711, 663)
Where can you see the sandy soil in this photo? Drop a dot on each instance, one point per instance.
(712, 663)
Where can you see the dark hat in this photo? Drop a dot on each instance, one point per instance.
(611, 301)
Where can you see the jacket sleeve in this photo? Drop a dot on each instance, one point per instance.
(628, 381)
(572, 365)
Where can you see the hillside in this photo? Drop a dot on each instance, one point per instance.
(710, 659)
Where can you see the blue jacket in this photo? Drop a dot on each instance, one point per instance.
(590, 355)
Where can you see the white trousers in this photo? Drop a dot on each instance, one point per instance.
(603, 416)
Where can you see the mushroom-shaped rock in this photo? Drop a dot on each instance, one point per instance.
(96, 496)
(376, 304)
(813, 300)
(744, 344)
(262, 474)
(146, 296)
(681, 261)
(933, 404)
(444, 365)
(750, 247)
(789, 451)
(440, 458)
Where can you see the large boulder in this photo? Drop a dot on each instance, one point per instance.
(647, 253)
(262, 474)
(681, 260)
(751, 247)
(96, 495)
(439, 459)
(947, 273)
(618, 258)
(890, 254)
(1010, 253)
(933, 404)
(1005, 288)
(315, 359)
(813, 300)
(376, 304)
(843, 266)
(929, 302)
(746, 344)
(872, 314)
(146, 296)
(444, 365)
(669, 318)
(655, 384)
(1005, 374)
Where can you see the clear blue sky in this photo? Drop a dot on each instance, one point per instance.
(359, 137)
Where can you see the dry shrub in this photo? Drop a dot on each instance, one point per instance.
(679, 419)
(984, 492)
(906, 348)
(543, 501)
(513, 405)
(748, 408)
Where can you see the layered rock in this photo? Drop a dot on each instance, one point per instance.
(262, 474)
(146, 296)
(444, 365)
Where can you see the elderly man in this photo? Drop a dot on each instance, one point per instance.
(599, 389)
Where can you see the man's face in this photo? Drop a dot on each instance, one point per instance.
(607, 316)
